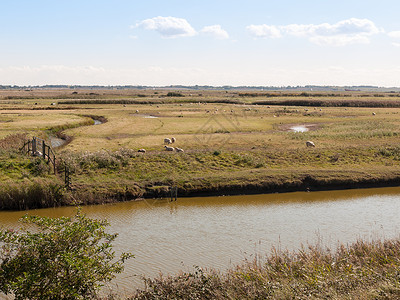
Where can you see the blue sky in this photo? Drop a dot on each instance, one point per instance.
(219, 42)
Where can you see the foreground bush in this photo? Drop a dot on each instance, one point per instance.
(361, 271)
(66, 258)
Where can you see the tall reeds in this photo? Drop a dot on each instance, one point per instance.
(31, 194)
(363, 270)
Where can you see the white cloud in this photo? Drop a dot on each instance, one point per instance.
(51, 74)
(264, 31)
(339, 40)
(168, 27)
(348, 27)
(56, 69)
(394, 34)
(396, 45)
(350, 31)
(215, 31)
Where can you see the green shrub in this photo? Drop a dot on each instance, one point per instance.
(66, 258)
(175, 94)
(102, 159)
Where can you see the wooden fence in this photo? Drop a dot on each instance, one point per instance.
(38, 147)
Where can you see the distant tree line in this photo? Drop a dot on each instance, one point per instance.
(309, 88)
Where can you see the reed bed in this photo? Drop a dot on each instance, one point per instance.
(362, 270)
(31, 194)
(332, 102)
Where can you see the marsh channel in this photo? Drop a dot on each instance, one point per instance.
(57, 142)
(220, 232)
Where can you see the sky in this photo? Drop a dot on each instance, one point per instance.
(193, 42)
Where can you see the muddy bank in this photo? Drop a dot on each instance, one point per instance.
(110, 192)
(308, 184)
(133, 191)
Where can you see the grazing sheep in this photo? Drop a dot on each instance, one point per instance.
(142, 150)
(373, 114)
(173, 140)
(169, 148)
(167, 141)
(179, 150)
(310, 144)
(137, 111)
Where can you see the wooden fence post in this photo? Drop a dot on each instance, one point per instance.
(67, 178)
(54, 163)
(173, 193)
(44, 150)
(33, 146)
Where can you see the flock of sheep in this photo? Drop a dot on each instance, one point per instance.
(172, 140)
(167, 141)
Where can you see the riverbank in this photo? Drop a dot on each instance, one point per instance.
(125, 175)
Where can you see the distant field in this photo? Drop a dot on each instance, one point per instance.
(199, 125)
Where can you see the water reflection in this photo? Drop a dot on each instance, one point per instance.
(299, 128)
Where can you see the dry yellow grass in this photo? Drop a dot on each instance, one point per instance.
(204, 126)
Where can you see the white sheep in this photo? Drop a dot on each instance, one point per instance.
(142, 150)
(179, 150)
(310, 144)
(173, 140)
(167, 141)
(169, 148)
(374, 114)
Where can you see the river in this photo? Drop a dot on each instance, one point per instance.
(219, 232)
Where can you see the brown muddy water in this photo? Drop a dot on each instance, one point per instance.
(220, 232)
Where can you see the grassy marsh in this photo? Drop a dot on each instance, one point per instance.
(230, 143)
